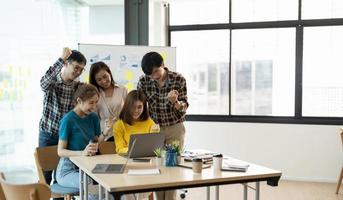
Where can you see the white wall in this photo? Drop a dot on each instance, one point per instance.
(301, 152)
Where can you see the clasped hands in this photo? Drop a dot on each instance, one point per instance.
(172, 96)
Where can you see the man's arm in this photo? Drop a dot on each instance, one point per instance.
(140, 84)
(179, 97)
(50, 75)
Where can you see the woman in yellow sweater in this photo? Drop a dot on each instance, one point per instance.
(133, 119)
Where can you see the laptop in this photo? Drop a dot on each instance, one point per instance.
(113, 168)
(145, 144)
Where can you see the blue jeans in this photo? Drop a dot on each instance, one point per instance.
(47, 139)
(67, 174)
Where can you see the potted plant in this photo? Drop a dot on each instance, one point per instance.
(173, 153)
(158, 152)
(178, 150)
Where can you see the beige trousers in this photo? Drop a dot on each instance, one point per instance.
(171, 133)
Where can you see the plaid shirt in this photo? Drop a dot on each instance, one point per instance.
(58, 98)
(161, 109)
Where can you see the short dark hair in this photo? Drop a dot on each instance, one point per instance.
(96, 68)
(78, 57)
(125, 113)
(150, 61)
(85, 91)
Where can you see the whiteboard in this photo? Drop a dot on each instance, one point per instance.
(124, 61)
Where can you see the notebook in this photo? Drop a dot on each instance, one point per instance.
(145, 144)
(144, 171)
(113, 168)
(235, 166)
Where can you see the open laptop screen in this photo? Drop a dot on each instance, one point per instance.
(145, 144)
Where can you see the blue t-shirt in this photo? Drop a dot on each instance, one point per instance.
(78, 131)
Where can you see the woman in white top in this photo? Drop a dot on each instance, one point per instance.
(112, 97)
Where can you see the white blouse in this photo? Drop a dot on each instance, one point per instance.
(110, 107)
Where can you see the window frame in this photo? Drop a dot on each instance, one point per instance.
(299, 25)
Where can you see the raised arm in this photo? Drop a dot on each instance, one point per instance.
(50, 76)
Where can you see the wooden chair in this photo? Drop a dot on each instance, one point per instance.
(35, 191)
(2, 195)
(107, 147)
(46, 159)
(341, 174)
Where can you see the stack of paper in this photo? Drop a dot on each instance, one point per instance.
(234, 166)
(143, 171)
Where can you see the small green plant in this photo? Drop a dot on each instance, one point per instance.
(174, 147)
(158, 152)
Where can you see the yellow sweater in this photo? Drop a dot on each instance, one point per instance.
(122, 132)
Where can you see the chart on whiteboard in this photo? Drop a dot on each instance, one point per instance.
(124, 61)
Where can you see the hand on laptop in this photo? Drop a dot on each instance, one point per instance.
(155, 128)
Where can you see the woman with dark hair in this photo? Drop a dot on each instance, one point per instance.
(78, 132)
(112, 96)
(133, 119)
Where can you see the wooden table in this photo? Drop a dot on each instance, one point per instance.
(170, 178)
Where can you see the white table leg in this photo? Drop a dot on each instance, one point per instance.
(107, 195)
(81, 185)
(245, 191)
(257, 191)
(100, 192)
(85, 180)
(208, 192)
(217, 192)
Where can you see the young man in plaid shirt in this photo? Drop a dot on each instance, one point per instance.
(166, 93)
(58, 85)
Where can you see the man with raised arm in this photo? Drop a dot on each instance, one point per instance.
(58, 84)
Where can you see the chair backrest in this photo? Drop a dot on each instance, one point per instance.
(46, 159)
(35, 191)
(107, 147)
(2, 195)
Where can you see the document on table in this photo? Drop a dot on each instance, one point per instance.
(234, 165)
(143, 171)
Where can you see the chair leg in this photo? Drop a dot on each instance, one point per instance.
(339, 181)
(67, 197)
(151, 196)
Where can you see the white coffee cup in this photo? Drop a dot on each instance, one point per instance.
(217, 162)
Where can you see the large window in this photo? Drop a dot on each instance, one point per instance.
(322, 83)
(32, 36)
(322, 9)
(263, 66)
(264, 10)
(199, 11)
(206, 65)
(273, 61)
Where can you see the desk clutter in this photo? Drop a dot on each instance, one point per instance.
(195, 160)
(189, 155)
(224, 164)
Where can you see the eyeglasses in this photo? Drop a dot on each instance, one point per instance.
(77, 68)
